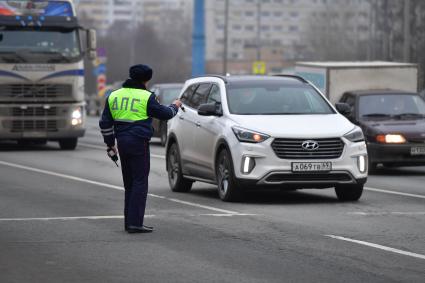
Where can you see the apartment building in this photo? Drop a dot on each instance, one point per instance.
(273, 31)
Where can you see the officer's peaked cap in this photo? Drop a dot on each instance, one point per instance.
(141, 72)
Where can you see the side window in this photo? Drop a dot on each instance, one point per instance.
(214, 94)
(200, 95)
(187, 95)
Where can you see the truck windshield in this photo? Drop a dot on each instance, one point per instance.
(274, 98)
(39, 46)
(391, 105)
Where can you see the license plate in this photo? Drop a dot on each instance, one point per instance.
(311, 166)
(34, 134)
(417, 150)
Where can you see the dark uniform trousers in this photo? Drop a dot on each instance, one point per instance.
(135, 166)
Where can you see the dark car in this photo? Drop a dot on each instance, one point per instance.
(393, 123)
(165, 94)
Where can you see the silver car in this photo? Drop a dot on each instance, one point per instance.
(252, 132)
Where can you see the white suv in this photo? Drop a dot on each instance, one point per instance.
(244, 132)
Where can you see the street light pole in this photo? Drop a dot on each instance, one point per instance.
(406, 43)
(226, 35)
(258, 30)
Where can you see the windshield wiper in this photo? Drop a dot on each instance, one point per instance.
(376, 115)
(59, 55)
(409, 115)
(12, 57)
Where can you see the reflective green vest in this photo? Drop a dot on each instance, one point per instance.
(129, 104)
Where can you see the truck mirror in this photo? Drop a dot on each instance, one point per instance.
(92, 54)
(91, 40)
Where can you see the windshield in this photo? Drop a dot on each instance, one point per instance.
(383, 105)
(274, 98)
(169, 95)
(37, 46)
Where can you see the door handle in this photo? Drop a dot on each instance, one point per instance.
(198, 124)
(181, 117)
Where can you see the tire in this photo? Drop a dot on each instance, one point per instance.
(177, 182)
(349, 192)
(163, 133)
(68, 144)
(227, 185)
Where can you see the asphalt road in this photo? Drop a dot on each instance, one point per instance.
(61, 221)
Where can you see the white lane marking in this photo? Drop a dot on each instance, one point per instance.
(387, 213)
(196, 204)
(228, 214)
(394, 192)
(385, 248)
(104, 148)
(69, 218)
(74, 178)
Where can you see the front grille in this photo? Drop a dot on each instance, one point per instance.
(19, 92)
(291, 148)
(34, 111)
(310, 177)
(33, 125)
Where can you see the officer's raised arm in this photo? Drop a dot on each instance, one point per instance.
(162, 112)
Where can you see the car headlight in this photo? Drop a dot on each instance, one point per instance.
(245, 135)
(390, 138)
(355, 135)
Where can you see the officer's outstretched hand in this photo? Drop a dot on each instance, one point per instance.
(177, 103)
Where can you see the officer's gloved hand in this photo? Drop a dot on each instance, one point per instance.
(177, 103)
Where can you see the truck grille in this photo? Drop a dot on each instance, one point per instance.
(292, 148)
(19, 92)
(33, 125)
(34, 111)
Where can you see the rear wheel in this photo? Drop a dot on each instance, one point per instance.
(68, 144)
(349, 192)
(177, 182)
(228, 187)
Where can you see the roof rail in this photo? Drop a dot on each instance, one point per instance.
(212, 75)
(292, 76)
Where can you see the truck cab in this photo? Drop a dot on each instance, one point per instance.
(42, 72)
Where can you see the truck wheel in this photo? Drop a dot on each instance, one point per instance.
(349, 192)
(227, 185)
(68, 144)
(177, 182)
(163, 134)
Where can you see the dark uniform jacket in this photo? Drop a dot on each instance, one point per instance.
(143, 129)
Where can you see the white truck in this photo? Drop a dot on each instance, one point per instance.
(42, 71)
(335, 78)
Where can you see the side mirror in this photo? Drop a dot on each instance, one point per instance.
(91, 43)
(344, 109)
(210, 109)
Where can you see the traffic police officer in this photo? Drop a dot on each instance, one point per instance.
(127, 117)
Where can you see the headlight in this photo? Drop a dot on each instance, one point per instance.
(76, 114)
(390, 138)
(245, 135)
(76, 117)
(355, 135)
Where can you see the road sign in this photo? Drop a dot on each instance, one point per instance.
(259, 67)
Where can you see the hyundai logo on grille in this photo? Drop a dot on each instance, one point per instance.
(310, 145)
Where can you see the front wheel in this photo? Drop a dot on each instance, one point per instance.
(177, 182)
(228, 187)
(349, 192)
(68, 144)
